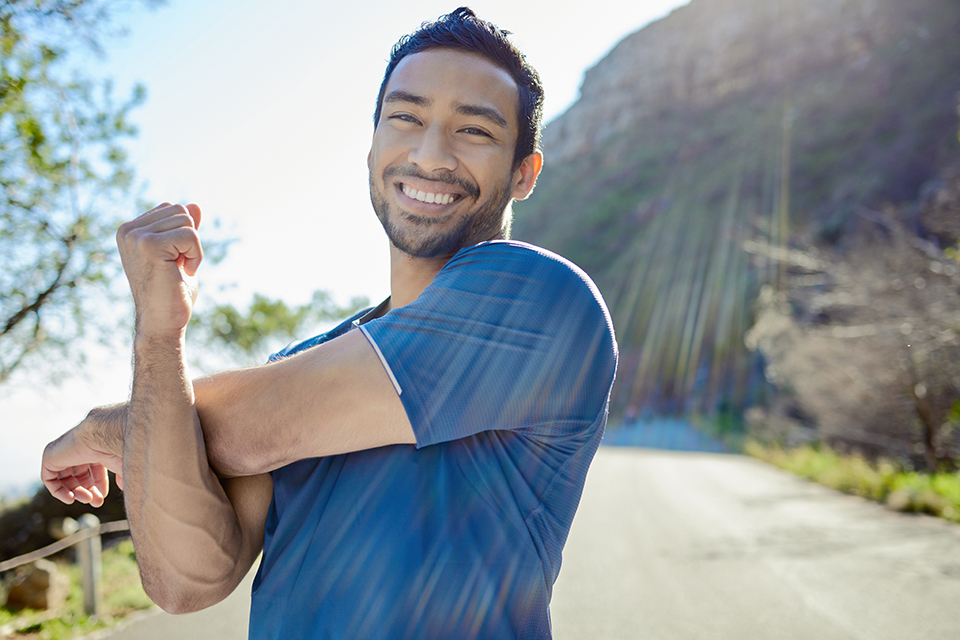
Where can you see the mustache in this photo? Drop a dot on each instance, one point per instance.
(413, 171)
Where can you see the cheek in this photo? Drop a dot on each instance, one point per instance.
(486, 163)
(387, 143)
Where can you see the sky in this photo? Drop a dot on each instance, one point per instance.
(261, 113)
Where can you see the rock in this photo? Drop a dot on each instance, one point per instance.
(709, 50)
(40, 586)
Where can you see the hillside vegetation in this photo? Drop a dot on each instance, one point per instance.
(789, 144)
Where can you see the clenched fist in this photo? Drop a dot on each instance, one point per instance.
(160, 251)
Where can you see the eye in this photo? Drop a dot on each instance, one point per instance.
(474, 131)
(404, 117)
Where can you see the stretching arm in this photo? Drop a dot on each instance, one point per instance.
(193, 543)
(195, 536)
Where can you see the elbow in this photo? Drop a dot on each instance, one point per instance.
(230, 460)
(175, 606)
(170, 599)
(182, 598)
(188, 588)
(240, 455)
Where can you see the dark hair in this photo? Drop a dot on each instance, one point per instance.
(462, 29)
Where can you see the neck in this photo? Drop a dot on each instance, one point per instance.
(409, 276)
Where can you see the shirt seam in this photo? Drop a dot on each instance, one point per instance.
(383, 360)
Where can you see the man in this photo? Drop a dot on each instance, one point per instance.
(414, 472)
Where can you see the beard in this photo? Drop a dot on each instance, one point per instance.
(432, 237)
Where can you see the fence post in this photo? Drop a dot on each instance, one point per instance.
(91, 567)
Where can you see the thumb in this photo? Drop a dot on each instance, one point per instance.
(194, 211)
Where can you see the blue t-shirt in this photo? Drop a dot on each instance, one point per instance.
(504, 365)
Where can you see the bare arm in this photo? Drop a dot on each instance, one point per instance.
(196, 537)
(330, 399)
(75, 467)
(193, 544)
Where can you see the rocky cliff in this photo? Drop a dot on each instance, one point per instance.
(801, 146)
(708, 51)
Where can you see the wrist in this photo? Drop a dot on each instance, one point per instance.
(159, 366)
(148, 339)
(103, 427)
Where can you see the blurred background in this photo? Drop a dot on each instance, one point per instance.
(766, 192)
(260, 112)
(767, 195)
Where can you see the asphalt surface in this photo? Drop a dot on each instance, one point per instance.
(688, 546)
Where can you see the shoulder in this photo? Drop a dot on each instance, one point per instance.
(526, 290)
(512, 256)
(505, 266)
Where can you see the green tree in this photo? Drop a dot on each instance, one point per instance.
(247, 336)
(63, 175)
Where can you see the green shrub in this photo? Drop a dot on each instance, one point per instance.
(883, 480)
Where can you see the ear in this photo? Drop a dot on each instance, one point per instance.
(370, 153)
(525, 177)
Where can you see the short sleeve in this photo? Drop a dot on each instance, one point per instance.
(507, 337)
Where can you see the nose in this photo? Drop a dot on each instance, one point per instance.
(432, 151)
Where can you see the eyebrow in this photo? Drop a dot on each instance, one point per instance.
(406, 96)
(487, 113)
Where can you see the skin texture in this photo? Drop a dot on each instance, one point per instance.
(194, 454)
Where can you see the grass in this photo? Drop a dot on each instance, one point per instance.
(122, 594)
(884, 481)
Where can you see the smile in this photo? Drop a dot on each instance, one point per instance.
(427, 197)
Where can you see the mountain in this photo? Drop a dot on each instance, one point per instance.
(740, 143)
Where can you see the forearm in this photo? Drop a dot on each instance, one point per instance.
(184, 527)
(104, 427)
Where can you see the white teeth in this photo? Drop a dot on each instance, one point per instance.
(429, 198)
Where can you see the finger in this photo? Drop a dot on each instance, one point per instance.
(179, 244)
(189, 251)
(162, 205)
(191, 261)
(101, 480)
(85, 496)
(71, 487)
(59, 492)
(159, 212)
(96, 499)
(194, 211)
(172, 219)
(120, 481)
(82, 485)
(153, 213)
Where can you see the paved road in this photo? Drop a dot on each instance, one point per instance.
(691, 546)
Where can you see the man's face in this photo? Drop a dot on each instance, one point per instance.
(441, 174)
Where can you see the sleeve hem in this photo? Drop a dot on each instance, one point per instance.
(383, 361)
